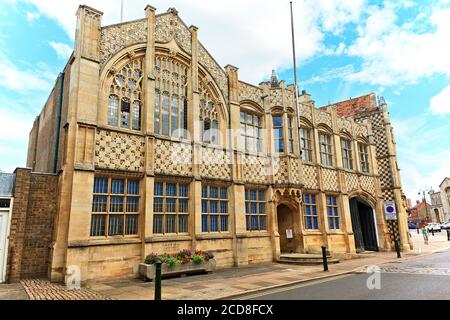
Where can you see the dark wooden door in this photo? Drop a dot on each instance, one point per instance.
(368, 229)
(356, 225)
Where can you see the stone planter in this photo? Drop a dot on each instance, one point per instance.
(148, 271)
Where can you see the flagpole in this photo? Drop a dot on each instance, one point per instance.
(295, 80)
(121, 11)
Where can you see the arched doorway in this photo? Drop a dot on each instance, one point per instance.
(285, 219)
(364, 226)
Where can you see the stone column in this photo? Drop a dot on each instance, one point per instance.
(83, 99)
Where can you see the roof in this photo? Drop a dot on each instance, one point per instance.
(6, 184)
(354, 106)
(445, 179)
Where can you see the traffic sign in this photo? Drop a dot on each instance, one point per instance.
(389, 211)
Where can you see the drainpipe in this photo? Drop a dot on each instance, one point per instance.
(58, 120)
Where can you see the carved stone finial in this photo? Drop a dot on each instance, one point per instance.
(131, 54)
(172, 53)
(173, 10)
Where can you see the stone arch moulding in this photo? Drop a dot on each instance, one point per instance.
(290, 197)
(364, 196)
(252, 106)
(117, 62)
(209, 80)
(325, 128)
(344, 133)
(305, 122)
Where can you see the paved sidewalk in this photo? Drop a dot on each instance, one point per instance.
(222, 284)
(228, 283)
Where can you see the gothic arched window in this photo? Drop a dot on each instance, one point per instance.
(170, 114)
(125, 99)
(208, 116)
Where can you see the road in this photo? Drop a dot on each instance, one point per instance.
(424, 278)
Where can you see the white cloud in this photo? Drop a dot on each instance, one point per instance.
(394, 53)
(440, 103)
(14, 78)
(337, 73)
(253, 35)
(63, 51)
(32, 16)
(423, 153)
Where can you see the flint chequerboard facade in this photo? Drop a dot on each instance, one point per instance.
(137, 130)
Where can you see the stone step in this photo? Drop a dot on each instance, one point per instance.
(296, 256)
(307, 262)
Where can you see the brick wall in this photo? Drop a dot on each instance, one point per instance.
(355, 106)
(32, 219)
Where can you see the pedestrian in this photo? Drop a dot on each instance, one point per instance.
(425, 235)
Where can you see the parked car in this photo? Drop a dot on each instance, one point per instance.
(445, 225)
(433, 227)
(412, 225)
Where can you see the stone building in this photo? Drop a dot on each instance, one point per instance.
(157, 148)
(437, 207)
(421, 213)
(445, 197)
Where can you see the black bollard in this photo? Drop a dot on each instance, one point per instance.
(158, 280)
(432, 231)
(448, 234)
(324, 258)
(397, 248)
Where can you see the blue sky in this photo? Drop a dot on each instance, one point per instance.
(346, 48)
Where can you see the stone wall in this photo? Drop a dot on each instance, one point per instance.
(32, 221)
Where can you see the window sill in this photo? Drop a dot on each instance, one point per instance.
(312, 233)
(101, 241)
(335, 233)
(167, 238)
(253, 234)
(212, 236)
(121, 130)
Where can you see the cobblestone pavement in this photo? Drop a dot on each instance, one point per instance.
(38, 289)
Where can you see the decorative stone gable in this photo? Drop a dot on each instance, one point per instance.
(169, 26)
(214, 69)
(117, 37)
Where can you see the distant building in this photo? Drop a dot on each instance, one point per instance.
(445, 197)
(421, 213)
(437, 207)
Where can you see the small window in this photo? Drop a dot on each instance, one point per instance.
(326, 153)
(364, 157)
(214, 208)
(311, 216)
(5, 203)
(115, 207)
(170, 208)
(278, 134)
(255, 210)
(306, 144)
(333, 213)
(250, 132)
(347, 155)
(124, 105)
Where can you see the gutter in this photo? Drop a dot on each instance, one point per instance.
(58, 121)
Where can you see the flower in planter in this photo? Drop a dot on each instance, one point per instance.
(197, 258)
(171, 261)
